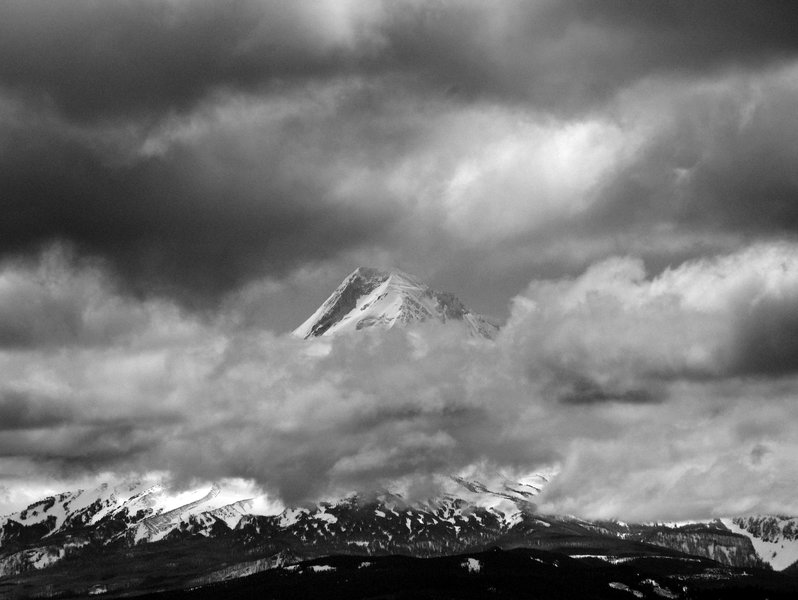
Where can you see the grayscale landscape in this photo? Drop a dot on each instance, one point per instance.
(393, 299)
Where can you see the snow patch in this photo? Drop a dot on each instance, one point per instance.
(321, 568)
(617, 585)
(472, 564)
(778, 554)
(291, 516)
(659, 590)
(326, 517)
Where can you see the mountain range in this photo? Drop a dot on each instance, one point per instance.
(140, 537)
(132, 538)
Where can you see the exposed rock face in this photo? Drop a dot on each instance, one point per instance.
(381, 526)
(770, 528)
(344, 300)
(711, 539)
(775, 537)
(718, 544)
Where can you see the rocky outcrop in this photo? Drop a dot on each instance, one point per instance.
(720, 545)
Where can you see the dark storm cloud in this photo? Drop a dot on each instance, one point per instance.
(96, 59)
(189, 223)
(746, 178)
(144, 59)
(574, 55)
(722, 161)
(22, 410)
(106, 156)
(193, 149)
(56, 305)
(75, 448)
(86, 84)
(28, 321)
(767, 339)
(584, 391)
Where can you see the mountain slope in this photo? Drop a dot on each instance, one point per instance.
(196, 554)
(774, 537)
(374, 298)
(130, 513)
(122, 543)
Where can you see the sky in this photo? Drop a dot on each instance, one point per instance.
(183, 182)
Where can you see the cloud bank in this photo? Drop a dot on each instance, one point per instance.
(184, 182)
(199, 148)
(665, 396)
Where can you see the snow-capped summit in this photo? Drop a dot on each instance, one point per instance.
(384, 298)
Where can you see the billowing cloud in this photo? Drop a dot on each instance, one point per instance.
(647, 391)
(198, 147)
(144, 60)
(99, 60)
(690, 376)
(183, 182)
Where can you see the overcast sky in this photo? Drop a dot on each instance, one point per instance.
(184, 182)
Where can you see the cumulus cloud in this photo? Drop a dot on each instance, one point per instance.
(686, 371)
(208, 171)
(198, 147)
(646, 391)
(701, 319)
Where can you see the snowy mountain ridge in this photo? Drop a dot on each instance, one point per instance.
(371, 297)
(135, 512)
(250, 535)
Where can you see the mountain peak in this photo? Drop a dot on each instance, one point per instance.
(370, 297)
(375, 274)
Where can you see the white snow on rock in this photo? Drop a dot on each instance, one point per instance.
(159, 525)
(376, 298)
(775, 538)
(291, 516)
(659, 590)
(98, 590)
(326, 517)
(232, 514)
(472, 564)
(85, 507)
(623, 587)
(321, 568)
